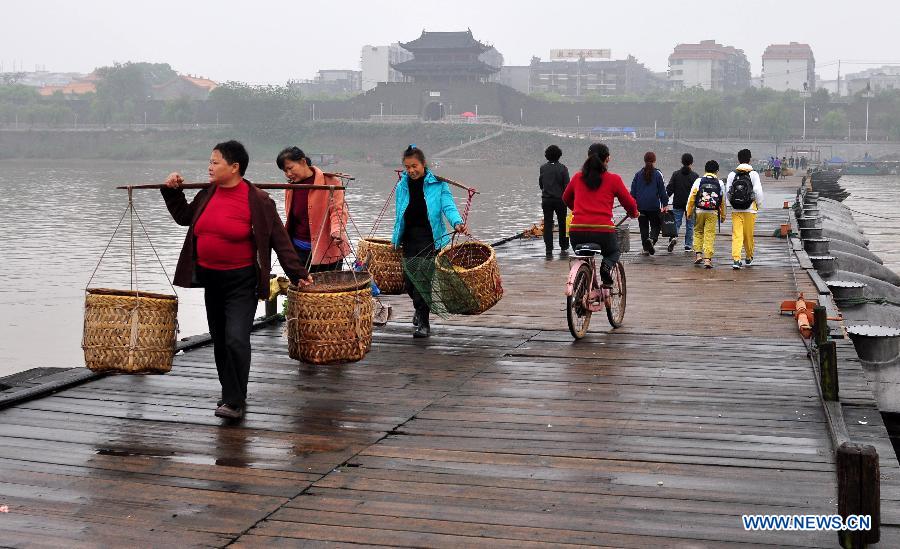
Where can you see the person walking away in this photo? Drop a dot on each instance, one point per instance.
(707, 201)
(679, 188)
(553, 180)
(591, 195)
(745, 194)
(232, 229)
(422, 203)
(315, 220)
(776, 167)
(649, 191)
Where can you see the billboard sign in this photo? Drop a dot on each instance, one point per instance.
(579, 53)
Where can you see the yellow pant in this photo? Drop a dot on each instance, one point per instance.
(742, 234)
(705, 233)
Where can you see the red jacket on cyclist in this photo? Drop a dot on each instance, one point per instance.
(591, 195)
(593, 208)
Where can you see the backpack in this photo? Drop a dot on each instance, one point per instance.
(740, 194)
(709, 194)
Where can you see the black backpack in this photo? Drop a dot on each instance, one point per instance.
(709, 194)
(740, 194)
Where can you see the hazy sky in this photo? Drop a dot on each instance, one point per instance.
(261, 41)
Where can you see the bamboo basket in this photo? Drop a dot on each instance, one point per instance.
(129, 332)
(330, 321)
(623, 235)
(384, 262)
(475, 264)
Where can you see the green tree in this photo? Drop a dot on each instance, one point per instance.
(834, 123)
(179, 111)
(774, 119)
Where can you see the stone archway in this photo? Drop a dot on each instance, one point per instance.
(434, 111)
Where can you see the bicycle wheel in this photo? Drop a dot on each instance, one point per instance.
(615, 305)
(578, 314)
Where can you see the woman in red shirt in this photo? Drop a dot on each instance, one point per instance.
(233, 227)
(590, 195)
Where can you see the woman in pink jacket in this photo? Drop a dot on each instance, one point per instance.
(315, 220)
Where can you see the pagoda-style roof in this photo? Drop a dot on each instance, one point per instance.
(413, 68)
(445, 41)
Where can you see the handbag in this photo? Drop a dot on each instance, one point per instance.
(667, 225)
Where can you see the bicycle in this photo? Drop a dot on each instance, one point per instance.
(585, 297)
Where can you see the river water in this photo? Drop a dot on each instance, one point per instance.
(58, 219)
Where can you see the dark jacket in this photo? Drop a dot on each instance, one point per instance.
(265, 224)
(650, 195)
(553, 180)
(680, 186)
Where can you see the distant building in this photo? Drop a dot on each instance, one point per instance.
(376, 61)
(880, 79)
(449, 58)
(710, 66)
(601, 77)
(190, 87)
(182, 86)
(40, 79)
(832, 86)
(330, 82)
(77, 86)
(516, 77)
(789, 67)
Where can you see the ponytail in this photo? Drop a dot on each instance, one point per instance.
(595, 166)
(649, 159)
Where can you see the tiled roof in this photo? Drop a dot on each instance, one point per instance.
(74, 88)
(444, 40)
(788, 51)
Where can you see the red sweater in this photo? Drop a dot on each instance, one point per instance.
(223, 232)
(593, 207)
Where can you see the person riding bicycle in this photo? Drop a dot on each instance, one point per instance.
(590, 195)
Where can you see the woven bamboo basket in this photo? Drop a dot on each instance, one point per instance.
(129, 333)
(475, 264)
(330, 321)
(623, 235)
(384, 262)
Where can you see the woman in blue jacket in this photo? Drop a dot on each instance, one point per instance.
(649, 191)
(422, 203)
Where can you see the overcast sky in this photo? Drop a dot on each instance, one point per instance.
(262, 41)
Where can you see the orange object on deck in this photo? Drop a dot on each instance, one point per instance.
(801, 309)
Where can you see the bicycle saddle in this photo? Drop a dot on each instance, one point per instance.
(586, 250)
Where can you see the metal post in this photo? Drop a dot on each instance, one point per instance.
(867, 118)
(804, 119)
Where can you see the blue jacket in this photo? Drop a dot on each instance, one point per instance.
(438, 201)
(649, 196)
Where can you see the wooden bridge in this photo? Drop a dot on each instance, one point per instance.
(498, 431)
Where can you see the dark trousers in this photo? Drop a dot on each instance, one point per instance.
(555, 206)
(649, 222)
(305, 255)
(609, 247)
(231, 301)
(419, 253)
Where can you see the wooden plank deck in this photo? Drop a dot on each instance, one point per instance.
(498, 431)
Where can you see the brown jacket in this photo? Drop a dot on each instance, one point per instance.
(268, 234)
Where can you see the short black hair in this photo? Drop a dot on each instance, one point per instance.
(234, 153)
(294, 154)
(553, 153)
(687, 159)
(711, 166)
(744, 156)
